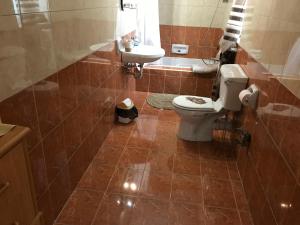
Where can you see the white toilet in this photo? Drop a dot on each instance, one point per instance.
(198, 114)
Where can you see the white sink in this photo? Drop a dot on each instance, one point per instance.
(142, 54)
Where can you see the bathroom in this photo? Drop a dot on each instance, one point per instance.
(66, 160)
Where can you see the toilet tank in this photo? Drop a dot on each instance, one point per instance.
(233, 81)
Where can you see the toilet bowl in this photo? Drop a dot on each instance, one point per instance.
(198, 114)
(197, 120)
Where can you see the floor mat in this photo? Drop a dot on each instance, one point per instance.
(161, 101)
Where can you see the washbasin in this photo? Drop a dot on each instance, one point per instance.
(142, 54)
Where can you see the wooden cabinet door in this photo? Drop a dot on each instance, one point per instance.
(16, 200)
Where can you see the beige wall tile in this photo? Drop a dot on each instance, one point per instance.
(12, 57)
(36, 44)
(194, 12)
(75, 32)
(9, 7)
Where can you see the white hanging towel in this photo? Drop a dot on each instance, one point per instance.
(148, 22)
(233, 28)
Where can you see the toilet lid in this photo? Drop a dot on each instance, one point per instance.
(194, 103)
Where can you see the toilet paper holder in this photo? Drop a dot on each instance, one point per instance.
(249, 96)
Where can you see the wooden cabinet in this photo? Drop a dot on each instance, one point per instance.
(17, 197)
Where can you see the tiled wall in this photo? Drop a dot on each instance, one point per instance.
(175, 82)
(203, 41)
(60, 76)
(196, 13)
(271, 35)
(41, 37)
(70, 114)
(270, 167)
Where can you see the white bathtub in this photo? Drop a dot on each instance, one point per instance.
(175, 62)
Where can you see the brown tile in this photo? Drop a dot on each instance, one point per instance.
(215, 150)
(157, 83)
(80, 208)
(150, 211)
(206, 52)
(85, 113)
(156, 185)
(204, 87)
(55, 153)
(186, 214)
(164, 144)
(72, 132)
(172, 85)
(143, 83)
(138, 138)
(96, 177)
(98, 72)
(188, 86)
(165, 34)
(206, 37)
(292, 217)
(134, 157)
(267, 216)
(281, 190)
(193, 52)
(167, 48)
(60, 190)
(109, 155)
(214, 169)
(216, 216)
(254, 193)
(173, 73)
(126, 181)
(265, 155)
(192, 36)
(20, 110)
(178, 34)
(48, 104)
(117, 137)
(46, 207)
(187, 188)
(39, 171)
(68, 89)
(246, 218)
(233, 170)
(277, 124)
(240, 196)
(150, 111)
(160, 161)
(186, 165)
(158, 71)
(168, 116)
(218, 193)
(79, 162)
(290, 144)
(117, 209)
(83, 80)
(218, 33)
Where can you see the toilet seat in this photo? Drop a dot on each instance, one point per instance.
(193, 103)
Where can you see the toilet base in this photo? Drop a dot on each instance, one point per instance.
(191, 131)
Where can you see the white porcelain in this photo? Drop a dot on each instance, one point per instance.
(197, 120)
(197, 124)
(142, 54)
(233, 81)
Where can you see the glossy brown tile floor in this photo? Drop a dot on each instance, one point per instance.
(144, 175)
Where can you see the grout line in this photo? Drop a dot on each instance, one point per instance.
(115, 171)
(234, 194)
